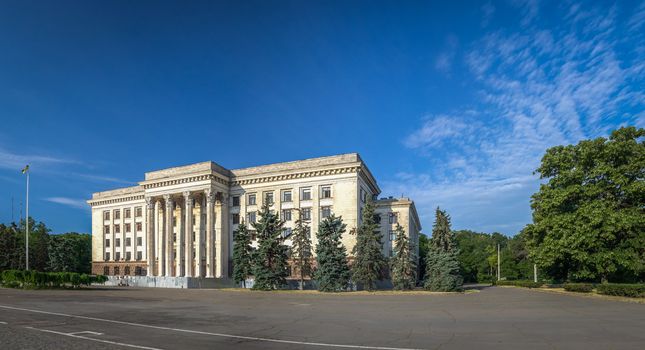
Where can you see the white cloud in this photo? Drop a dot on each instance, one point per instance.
(16, 161)
(538, 88)
(446, 58)
(488, 10)
(70, 202)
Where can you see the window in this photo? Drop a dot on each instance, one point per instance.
(106, 229)
(174, 221)
(127, 270)
(250, 199)
(128, 255)
(138, 271)
(127, 213)
(107, 243)
(107, 256)
(392, 236)
(139, 227)
(268, 197)
(286, 214)
(137, 212)
(117, 242)
(116, 270)
(117, 256)
(393, 218)
(236, 219)
(305, 194)
(325, 212)
(236, 201)
(106, 269)
(253, 234)
(128, 242)
(391, 252)
(308, 229)
(286, 232)
(325, 192)
(251, 217)
(305, 213)
(106, 215)
(377, 218)
(174, 236)
(117, 228)
(128, 227)
(139, 241)
(363, 195)
(286, 196)
(117, 214)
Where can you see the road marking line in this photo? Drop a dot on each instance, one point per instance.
(93, 339)
(223, 335)
(86, 332)
(2, 322)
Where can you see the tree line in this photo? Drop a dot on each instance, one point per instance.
(332, 268)
(68, 252)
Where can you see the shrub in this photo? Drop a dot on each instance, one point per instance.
(623, 290)
(36, 279)
(578, 287)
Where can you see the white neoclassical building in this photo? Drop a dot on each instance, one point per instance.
(179, 222)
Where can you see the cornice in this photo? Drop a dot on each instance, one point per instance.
(97, 202)
(295, 175)
(182, 180)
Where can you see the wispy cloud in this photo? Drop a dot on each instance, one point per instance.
(488, 10)
(538, 88)
(445, 60)
(70, 202)
(16, 161)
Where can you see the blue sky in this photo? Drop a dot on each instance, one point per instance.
(450, 104)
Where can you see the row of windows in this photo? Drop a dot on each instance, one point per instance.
(286, 232)
(138, 270)
(128, 242)
(128, 228)
(128, 256)
(127, 213)
(286, 196)
(305, 214)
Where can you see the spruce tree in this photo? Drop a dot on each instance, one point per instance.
(442, 264)
(369, 261)
(332, 273)
(270, 268)
(301, 250)
(242, 254)
(403, 265)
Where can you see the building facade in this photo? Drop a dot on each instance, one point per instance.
(179, 222)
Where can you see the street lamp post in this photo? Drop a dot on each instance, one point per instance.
(26, 171)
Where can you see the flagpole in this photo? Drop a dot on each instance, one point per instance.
(27, 225)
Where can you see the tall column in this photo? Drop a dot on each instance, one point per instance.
(150, 241)
(210, 262)
(170, 258)
(160, 243)
(188, 235)
(113, 254)
(122, 226)
(199, 237)
(221, 230)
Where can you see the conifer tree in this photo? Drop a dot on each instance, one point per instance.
(301, 249)
(332, 273)
(242, 254)
(442, 265)
(403, 265)
(270, 268)
(369, 261)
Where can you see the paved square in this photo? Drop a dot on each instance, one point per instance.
(494, 318)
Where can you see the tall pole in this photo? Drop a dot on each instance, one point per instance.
(534, 272)
(498, 264)
(27, 225)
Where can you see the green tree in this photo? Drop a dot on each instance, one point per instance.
(332, 273)
(442, 264)
(301, 249)
(70, 252)
(10, 246)
(403, 264)
(424, 245)
(589, 218)
(369, 261)
(242, 254)
(271, 263)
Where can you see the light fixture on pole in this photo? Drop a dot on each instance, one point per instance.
(25, 170)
